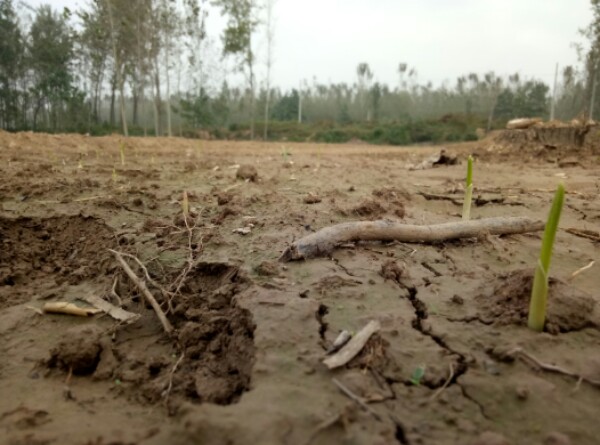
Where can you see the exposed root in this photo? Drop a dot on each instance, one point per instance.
(141, 285)
(357, 399)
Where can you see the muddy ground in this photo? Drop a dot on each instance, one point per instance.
(244, 362)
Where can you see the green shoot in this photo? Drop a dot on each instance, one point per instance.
(122, 149)
(466, 213)
(539, 292)
(284, 154)
(114, 176)
(417, 375)
(185, 205)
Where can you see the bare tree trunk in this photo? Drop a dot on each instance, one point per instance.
(113, 89)
(168, 99)
(157, 129)
(251, 69)
(117, 68)
(269, 25)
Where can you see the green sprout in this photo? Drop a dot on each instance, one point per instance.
(466, 213)
(114, 175)
(185, 205)
(284, 154)
(417, 375)
(539, 292)
(122, 150)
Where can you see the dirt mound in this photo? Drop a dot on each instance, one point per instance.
(210, 361)
(508, 303)
(48, 252)
(387, 201)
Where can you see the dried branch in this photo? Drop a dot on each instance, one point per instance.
(141, 285)
(326, 239)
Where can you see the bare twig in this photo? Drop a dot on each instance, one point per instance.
(326, 239)
(113, 291)
(588, 234)
(322, 427)
(167, 391)
(355, 398)
(165, 292)
(444, 386)
(582, 269)
(353, 347)
(525, 356)
(144, 289)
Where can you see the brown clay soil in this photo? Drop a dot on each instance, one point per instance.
(244, 364)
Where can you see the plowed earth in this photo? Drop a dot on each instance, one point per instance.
(244, 363)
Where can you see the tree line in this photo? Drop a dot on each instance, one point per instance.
(143, 67)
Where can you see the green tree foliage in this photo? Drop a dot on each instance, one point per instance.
(286, 108)
(11, 65)
(237, 40)
(50, 59)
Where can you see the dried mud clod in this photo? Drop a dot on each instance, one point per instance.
(215, 334)
(45, 252)
(508, 303)
(209, 361)
(78, 351)
(247, 173)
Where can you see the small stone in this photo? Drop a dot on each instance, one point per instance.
(312, 199)
(137, 202)
(522, 392)
(457, 299)
(490, 438)
(556, 438)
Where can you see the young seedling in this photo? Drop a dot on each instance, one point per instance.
(417, 375)
(466, 212)
(122, 150)
(539, 292)
(114, 175)
(284, 154)
(185, 205)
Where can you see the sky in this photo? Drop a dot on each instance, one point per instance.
(441, 39)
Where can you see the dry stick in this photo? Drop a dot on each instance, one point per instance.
(144, 289)
(355, 398)
(444, 386)
(353, 347)
(114, 293)
(165, 292)
(551, 368)
(325, 240)
(167, 391)
(581, 269)
(588, 234)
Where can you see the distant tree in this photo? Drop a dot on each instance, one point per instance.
(237, 41)
(286, 109)
(365, 76)
(592, 58)
(51, 53)
(12, 47)
(270, 37)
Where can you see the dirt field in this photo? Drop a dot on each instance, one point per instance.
(244, 364)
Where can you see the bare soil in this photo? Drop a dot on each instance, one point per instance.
(244, 364)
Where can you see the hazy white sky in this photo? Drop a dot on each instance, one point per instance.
(442, 39)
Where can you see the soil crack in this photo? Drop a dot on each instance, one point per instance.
(421, 314)
(467, 396)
